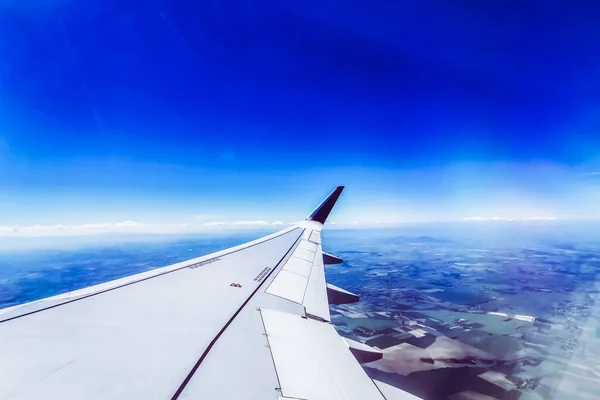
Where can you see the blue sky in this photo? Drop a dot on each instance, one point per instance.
(195, 112)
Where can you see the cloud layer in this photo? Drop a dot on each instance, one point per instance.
(127, 227)
(509, 219)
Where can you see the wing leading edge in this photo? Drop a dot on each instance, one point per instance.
(251, 322)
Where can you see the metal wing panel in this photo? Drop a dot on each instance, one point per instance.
(298, 266)
(305, 244)
(312, 360)
(240, 365)
(50, 302)
(315, 299)
(133, 341)
(293, 283)
(315, 236)
(289, 285)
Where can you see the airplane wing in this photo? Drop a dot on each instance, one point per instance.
(250, 322)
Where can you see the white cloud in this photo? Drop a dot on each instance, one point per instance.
(509, 219)
(216, 223)
(259, 223)
(124, 227)
(592, 174)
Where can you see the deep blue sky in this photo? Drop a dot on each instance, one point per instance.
(162, 111)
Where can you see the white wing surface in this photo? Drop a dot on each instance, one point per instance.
(250, 322)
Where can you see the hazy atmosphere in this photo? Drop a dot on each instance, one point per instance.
(146, 115)
(137, 134)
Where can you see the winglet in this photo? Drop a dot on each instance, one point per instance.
(322, 211)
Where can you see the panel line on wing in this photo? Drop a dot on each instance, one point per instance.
(212, 343)
(298, 266)
(292, 281)
(306, 245)
(140, 280)
(315, 237)
(304, 254)
(312, 361)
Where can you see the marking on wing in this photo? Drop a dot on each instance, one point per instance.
(187, 379)
(129, 283)
(263, 274)
(201, 263)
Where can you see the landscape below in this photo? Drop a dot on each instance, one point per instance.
(471, 312)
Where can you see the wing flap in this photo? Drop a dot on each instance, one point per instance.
(302, 280)
(298, 266)
(305, 244)
(312, 361)
(288, 285)
(304, 254)
(315, 300)
(315, 236)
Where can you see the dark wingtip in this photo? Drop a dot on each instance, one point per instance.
(321, 213)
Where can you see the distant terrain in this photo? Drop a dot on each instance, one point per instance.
(504, 312)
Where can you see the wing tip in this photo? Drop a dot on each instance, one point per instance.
(322, 211)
